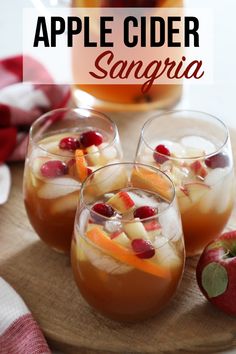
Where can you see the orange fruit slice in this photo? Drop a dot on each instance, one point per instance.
(122, 254)
(81, 166)
(144, 178)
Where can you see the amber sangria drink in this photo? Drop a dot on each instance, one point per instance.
(194, 149)
(127, 251)
(65, 146)
(125, 97)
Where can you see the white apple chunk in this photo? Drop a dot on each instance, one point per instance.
(135, 230)
(191, 193)
(183, 199)
(93, 156)
(121, 201)
(122, 239)
(196, 191)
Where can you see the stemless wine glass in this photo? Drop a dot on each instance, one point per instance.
(194, 149)
(124, 97)
(65, 146)
(127, 251)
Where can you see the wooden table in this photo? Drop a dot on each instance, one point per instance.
(44, 279)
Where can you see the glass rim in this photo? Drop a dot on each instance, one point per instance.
(105, 218)
(172, 112)
(84, 108)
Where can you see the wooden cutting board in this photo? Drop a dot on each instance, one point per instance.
(44, 279)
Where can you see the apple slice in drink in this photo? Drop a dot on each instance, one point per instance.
(191, 193)
(135, 230)
(198, 169)
(121, 238)
(122, 202)
(93, 156)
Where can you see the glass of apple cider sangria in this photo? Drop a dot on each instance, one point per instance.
(120, 97)
(127, 250)
(194, 149)
(65, 146)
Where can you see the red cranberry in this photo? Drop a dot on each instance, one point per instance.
(69, 143)
(103, 209)
(91, 137)
(53, 168)
(159, 153)
(89, 171)
(219, 160)
(143, 248)
(144, 212)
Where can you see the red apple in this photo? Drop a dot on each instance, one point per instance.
(198, 169)
(216, 272)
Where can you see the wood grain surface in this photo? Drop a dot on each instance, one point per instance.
(44, 280)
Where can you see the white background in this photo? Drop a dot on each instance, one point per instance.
(218, 98)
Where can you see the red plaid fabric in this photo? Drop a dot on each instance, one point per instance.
(22, 103)
(19, 333)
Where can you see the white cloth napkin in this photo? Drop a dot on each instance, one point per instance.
(19, 333)
(5, 183)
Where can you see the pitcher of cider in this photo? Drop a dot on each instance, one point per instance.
(125, 97)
